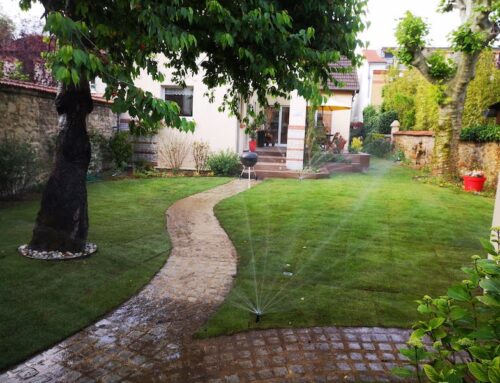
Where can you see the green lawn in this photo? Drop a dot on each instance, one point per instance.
(361, 247)
(43, 302)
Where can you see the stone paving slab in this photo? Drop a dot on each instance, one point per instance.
(149, 338)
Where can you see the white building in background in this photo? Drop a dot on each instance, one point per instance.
(372, 78)
(223, 131)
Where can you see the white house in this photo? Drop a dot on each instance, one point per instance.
(222, 131)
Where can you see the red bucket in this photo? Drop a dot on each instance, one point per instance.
(474, 183)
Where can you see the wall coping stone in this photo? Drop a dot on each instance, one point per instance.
(423, 133)
(42, 90)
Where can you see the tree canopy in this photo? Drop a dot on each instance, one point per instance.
(416, 101)
(255, 46)
(451, 72)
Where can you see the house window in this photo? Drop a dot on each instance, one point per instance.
(183, 97)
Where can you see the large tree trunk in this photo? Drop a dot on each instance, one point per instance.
(62, 222)
(447, 138)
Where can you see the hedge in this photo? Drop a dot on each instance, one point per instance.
(484, 133)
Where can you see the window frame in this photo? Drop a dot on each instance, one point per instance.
(177, 87)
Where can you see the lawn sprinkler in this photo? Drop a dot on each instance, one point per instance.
(258, 314)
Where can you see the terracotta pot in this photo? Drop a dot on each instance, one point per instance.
(252, 145)
(474, 183)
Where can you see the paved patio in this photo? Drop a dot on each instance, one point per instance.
(149, 338)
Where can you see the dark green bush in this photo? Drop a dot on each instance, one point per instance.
(224, 163)
(378, 122)
(385, 120)
(485, 133)
(121, 149)
(370, 119)
(19, 167)
(378, 145)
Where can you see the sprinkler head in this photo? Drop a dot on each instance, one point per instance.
(258, 314)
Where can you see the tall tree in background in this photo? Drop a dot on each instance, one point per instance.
(452, 74)
(261, 47)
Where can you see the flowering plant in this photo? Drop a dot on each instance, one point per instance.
(474, 173)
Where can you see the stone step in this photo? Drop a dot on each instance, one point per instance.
(274, 159)
(270, 166)
(270, 151)
(262, 174)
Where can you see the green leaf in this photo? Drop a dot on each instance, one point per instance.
(402, 372)
(489, 300)
(459, 293)
(436, 322)
(79, 57)
(479, 371)
(483, 333)
(494, 374)
(491, 285)
(62, 74)
(457, 313)
(479, 352)
(487, 246)
(431, 373)
(416, 337)
(75, 77)
(423, 309)
(439, 333)
(489, 266)
(494, 370)
(415, 354)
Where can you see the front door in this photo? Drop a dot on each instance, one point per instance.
(277, 123)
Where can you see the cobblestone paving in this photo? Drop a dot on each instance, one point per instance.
(149, 338)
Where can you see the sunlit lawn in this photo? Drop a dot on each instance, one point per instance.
(42, 302)
(361, 247)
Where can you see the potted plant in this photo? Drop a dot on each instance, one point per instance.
(474, 180)
(252, 144)
(251, 130)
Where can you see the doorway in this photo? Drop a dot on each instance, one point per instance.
(277, 123)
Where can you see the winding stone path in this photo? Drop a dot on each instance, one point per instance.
(149, 338)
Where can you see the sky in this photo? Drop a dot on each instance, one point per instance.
(383, 15)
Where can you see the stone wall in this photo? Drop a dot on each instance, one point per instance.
(27, 111)
(485, 156)
(418, 148)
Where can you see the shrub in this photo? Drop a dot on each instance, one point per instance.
(378, 145)
(121, 149)
(370, 119)
(356, 145)
(201, 150)
(224, 163)
(485, 133)
(385, 120)
(173, 148)
(462, 326)
(18, 167)
(357, 129)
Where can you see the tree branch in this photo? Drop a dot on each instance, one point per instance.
(420, 62)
